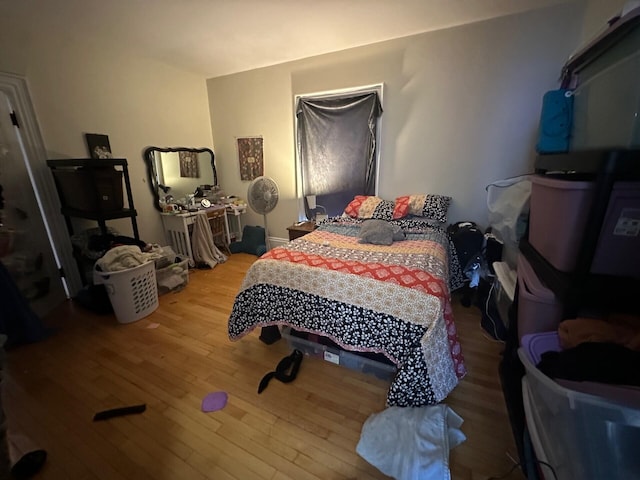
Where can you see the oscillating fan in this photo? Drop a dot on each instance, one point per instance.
(262, 196)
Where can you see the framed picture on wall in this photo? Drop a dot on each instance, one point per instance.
(250, 156)
(98, 145)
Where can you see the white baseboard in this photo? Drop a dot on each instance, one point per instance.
(277, 242)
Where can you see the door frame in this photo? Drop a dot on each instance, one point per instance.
(35, 155)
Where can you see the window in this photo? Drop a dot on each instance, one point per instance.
(337, 146)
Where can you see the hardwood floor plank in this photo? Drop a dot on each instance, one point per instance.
(304, 430)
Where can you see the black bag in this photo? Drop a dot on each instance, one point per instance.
(468, 240)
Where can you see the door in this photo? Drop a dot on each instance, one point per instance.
(25, 248)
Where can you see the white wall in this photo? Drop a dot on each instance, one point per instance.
(79, 87)
(461, 107)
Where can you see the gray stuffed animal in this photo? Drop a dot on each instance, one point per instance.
(380, 232)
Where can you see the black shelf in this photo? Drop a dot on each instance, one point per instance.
(87, 162)
(100, 213)
(74, 212)
(602, 292)
(620, 164)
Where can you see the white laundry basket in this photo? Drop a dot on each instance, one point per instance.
(133, 292)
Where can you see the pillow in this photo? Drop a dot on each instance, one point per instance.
(366, 206)
(430, 206)
(379, 232)
(253, 241)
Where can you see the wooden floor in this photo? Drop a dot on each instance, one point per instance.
(307, 429)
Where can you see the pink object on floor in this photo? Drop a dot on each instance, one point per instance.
(214, 401)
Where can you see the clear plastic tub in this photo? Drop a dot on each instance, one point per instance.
(174, 277)
(339, 357)
(581, 436)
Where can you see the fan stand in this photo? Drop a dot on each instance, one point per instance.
(266, 233)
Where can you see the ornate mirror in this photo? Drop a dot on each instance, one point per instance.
(179, 172)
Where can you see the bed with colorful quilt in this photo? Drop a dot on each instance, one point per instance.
(366, 297)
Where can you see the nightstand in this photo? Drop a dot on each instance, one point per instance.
(298, 230)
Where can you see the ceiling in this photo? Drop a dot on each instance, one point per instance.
(220, 37)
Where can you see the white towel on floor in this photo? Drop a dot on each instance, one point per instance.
(204, 250)
(408, 443)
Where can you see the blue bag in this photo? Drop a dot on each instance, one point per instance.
(555, 121)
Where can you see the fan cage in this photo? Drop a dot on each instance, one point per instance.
(263, 195)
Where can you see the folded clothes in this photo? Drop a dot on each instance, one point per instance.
(620, 329)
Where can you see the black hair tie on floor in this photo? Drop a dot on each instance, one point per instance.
(289, 362)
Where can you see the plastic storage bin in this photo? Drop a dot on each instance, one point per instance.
(538, 308)
(535, 344)
(91, 189)
(619, 242)
(580, 435)
(133, 293)
(174, 277)
(558, 214)
(339, 357)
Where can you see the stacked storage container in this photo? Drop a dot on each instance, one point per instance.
(583, 241)
(559, 213)
(538, 308)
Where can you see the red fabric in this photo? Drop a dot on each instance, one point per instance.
(398, 274)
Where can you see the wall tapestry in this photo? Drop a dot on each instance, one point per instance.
(250, 154)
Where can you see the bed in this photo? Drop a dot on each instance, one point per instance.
(388, 299)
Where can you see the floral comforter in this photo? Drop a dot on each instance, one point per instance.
(393, 300)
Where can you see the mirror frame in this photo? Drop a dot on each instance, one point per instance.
(151, 169)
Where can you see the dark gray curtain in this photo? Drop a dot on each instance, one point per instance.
(337, 145)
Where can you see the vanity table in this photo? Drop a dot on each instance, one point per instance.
(179, 226)
(171, 181)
